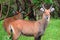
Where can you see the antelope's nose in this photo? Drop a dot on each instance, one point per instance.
(46, 17)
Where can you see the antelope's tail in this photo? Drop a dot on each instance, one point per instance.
(11, 29)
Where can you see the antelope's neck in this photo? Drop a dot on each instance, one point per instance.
(44, 23)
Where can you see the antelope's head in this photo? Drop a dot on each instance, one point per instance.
(46, 12)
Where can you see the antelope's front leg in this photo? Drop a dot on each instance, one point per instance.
(37, 38)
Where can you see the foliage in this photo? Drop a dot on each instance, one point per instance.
(37, 5)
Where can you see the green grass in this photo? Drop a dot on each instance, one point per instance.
(52, 32)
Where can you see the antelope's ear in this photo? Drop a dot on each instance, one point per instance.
(42, 9)
(52, 9)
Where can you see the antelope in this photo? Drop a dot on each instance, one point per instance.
(31, 28)
(11, 19)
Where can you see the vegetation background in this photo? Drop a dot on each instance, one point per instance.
(6, 10)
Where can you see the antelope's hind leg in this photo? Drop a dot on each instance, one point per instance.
(16, 36)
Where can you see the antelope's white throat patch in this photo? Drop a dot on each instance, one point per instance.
(48, 19)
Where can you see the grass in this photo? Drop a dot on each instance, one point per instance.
(52, 32)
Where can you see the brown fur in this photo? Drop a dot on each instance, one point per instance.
(11, 19)
(35, 28)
